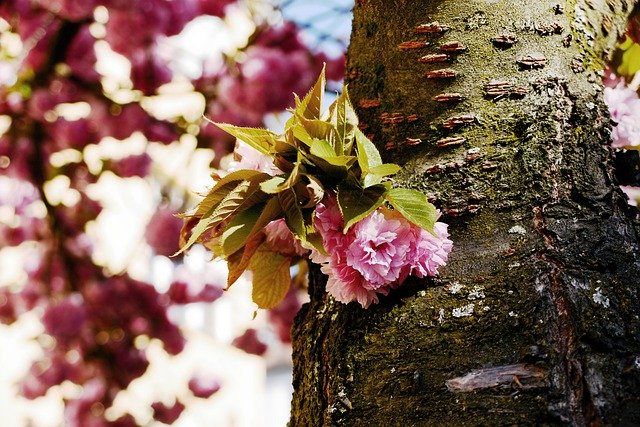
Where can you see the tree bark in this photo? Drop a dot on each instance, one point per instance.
(536, 318)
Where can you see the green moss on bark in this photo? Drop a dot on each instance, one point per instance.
(542, 236)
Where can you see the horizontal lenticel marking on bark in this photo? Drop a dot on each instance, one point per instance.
(409, 45)
(451, 141)
(432, 28)
(443, 73)
(434, 57)
(452, 47)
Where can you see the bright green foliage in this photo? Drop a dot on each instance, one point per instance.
(318, 154)
(356, 202)
(629, 60)
(414, 206)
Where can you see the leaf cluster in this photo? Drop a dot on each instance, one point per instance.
(317, 154)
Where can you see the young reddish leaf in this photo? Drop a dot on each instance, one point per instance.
(271, 211)
(414, 206)
(239, 261)
(245, 194)
(314, 191)
(271, 277)
(286, 146)
(356, 202)
(238, 197)
(220, 212)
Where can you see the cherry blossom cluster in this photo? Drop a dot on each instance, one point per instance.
(377, 254)
(624, 106)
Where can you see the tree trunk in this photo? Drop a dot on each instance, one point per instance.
(535, 320)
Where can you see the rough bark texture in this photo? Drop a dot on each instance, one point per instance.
(535, 320)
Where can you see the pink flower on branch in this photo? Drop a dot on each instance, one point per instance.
(280, 239)
(252, 159)
(624, 106)
(377, 254)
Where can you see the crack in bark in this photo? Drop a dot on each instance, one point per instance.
(582, 410)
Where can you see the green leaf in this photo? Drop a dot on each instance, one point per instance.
(293, 177)
(414, 206)
(385, 169)
(245, 194)
(223, 187)
(356, 202)
(270, 186)
(318, 129)
(375, 175)
(343, 117)
(233, 201)
(292, 213)
(310, 105)
(260, 139)
(301, 134)
(278, 183)
(321, 148)
(271, 277)
(220, 212)
(286, 147)
(269, 212)
(368, 154)
(239, 229)
(336, 167)
(197, 231)
(252, 223)
(629, 59)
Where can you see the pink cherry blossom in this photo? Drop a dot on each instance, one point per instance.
(167, 414)
(328, 221)
(377, 254)
(281, 240)
(633, 193)
(346, 284)
(250, 342)
(379, 250)
(252, 159)
(430, 252)
(624, 106)
(163, 231)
